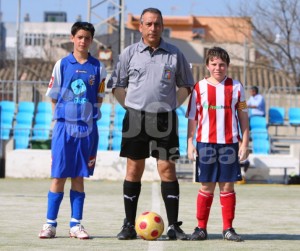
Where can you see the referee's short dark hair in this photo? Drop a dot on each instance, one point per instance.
(151, 10)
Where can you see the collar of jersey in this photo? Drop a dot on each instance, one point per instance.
(163, 45)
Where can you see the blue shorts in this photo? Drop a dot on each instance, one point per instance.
(217, 163)
(74, 149)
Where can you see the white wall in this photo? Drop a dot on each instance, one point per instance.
(36, 164)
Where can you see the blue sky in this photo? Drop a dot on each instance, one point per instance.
(36, 8)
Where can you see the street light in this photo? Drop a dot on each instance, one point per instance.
(15, 91)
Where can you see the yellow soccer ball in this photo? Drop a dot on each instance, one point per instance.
(149, 226)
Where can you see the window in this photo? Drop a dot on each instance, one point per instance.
(34, 39)
(199, 33)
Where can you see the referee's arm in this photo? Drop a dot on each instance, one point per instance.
(181, 94)
(120, 94)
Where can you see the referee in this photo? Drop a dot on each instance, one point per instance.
(151, 79)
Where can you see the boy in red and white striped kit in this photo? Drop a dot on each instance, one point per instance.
(217, 105)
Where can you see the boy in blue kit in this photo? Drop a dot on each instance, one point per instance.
(77, 90)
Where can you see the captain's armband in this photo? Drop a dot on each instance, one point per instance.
(242, 106)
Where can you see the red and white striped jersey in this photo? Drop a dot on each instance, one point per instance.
(214, 107)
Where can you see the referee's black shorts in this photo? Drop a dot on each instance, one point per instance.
(147, 134)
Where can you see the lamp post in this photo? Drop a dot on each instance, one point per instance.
(245, 60)
(15, 89)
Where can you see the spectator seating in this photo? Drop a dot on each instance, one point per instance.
(42, 121)
(104, 126)
(8, 106)
(103, 143)
(181, 110)
(258, 122)
(276, 115)
(182, 123)
(104, 121)
(24, 118)
(43, 118)
(6, 125)
(294, 116)
(183, 145)
(41, 132)
(119, 113)
(257, 134)
(26, 106)
(22, 130)
(260, 146)
(44, 106)
(116, 140)
(22, 135)
(182, 129)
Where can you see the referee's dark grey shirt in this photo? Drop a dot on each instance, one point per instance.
(150, 77)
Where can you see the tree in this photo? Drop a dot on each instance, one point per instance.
(276, 34)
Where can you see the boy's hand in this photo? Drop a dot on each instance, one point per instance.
(192, 152)
(243, 153)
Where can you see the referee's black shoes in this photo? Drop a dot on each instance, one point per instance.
(128, 231)
(175, 232)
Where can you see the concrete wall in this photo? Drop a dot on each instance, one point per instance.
(36, 164)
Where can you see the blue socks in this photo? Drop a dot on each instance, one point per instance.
(54, 200)
(77, 201)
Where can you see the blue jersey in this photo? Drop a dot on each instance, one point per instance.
(76, 87)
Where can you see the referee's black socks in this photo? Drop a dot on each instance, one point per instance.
(131, 192)
(170, 194)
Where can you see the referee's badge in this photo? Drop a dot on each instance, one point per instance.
(167, 74)
(92, 79)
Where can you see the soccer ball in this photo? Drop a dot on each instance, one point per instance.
(149, 226)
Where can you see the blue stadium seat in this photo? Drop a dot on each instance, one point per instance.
(5, 131)
(260, 146)
(6, 122)
(103, 143)
(258, 122)
(119, 109)
(116, 140)
(118, 121)
(181, 110)
(8, 106)
(21, 136)
(106, 108)
(182, 123)
(259, 134)
(22, 130)
(44, 106)
(43, 118)
(24, 118)
(26, 106)
(276, 115)
(294, 116)
(21, 142)
(41, 132)
(183, 145)
(6, 118)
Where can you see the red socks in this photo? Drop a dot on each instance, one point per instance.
(227, 201)
(204, 201)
